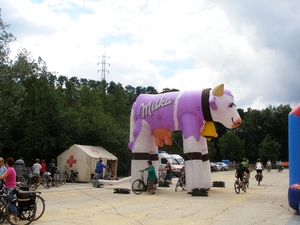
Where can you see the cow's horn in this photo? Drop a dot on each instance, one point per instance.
(218, 90)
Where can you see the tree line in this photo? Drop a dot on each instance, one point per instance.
(42, 114)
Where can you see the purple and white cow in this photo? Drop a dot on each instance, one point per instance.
(154, 117)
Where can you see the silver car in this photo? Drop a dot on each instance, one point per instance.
(223, 166)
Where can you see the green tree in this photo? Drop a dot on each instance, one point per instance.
(269, 149)
(231, 146)
(5, 39)
(212, 151)
(251, 130)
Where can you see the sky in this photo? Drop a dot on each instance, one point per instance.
(252, 47)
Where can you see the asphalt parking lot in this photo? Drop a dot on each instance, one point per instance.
(84, 204)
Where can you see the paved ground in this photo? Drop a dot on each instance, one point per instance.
(83, 204)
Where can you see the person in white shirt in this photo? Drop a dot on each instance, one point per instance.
(36, 169)
(259, 168)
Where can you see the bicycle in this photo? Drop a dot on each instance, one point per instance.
(24, 203)
(258, 178)
(40, 206)
(39, 200)
(27, 179)
(138, 186)
(96, 176)
(64, 176)
(246, 180)
(238, 186)
(48, 181)
(180, 182)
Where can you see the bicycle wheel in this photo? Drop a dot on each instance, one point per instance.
(74, 178)
(62, 179)
(33, 183)
(3, 210)
(40, 207)
(138, 186)
(183, 185)
(46, 181)
(246, 181)
(237, 187)
(25, 217)
(178, 184)
(23, 182)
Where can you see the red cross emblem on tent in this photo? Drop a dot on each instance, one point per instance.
(95, 150)
(71, 160)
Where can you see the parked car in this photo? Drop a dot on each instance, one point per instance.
(213, 167)
(163, 158)
(223, 166)
(178, 158)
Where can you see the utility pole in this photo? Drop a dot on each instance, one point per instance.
(103, 70)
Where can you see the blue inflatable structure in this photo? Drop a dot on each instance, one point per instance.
(294, 158)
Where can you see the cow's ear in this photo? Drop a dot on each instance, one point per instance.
(212, 103)
(218, 90)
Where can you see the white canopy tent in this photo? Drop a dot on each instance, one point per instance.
(83, 159)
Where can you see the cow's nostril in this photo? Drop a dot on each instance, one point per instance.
(236, 123)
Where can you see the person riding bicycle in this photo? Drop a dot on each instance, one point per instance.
(239, 173)
(247, 166)
(259, 168)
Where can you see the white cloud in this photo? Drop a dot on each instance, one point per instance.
(250, 47)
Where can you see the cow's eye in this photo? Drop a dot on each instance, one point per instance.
(231, 105)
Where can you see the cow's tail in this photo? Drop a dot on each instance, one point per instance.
(132, 123)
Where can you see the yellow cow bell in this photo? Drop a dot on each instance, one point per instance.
(209, 131)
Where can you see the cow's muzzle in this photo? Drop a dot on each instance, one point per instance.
(236, 123)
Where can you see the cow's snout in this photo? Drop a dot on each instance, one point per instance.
(236, 123)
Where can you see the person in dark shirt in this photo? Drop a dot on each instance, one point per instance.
(239, 173)
(19, 167)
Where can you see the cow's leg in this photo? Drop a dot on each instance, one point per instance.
(197, 165)
(141, 150)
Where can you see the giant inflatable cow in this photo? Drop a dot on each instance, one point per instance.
(154, 117)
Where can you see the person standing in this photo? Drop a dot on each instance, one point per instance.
(36, 169)
(10, 184)
(19, 167)
(44, 167)
(52, 170)
(269, 165)
(99, 167)
(2, 166)
(151, 176)
(169, 173)
(279, 166)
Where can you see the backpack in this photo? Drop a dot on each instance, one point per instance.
(52, 168)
